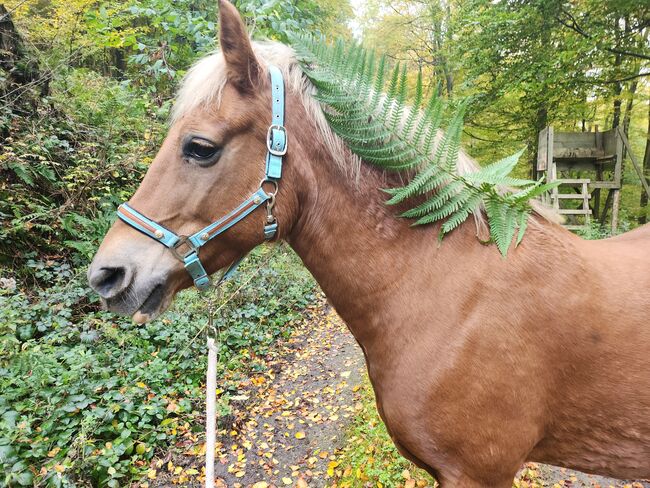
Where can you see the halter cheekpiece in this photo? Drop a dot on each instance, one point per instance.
(276, 145)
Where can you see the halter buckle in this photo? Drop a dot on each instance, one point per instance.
(271, 142)
(181, 241)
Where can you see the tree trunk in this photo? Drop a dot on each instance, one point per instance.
(618, 86)
(449, 77)
(541, 121)
(646, 171)
(11, 45)
(627, 117)
(616, 119)
(14, 58)
(118, 61)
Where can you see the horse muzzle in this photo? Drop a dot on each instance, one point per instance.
(126, 292)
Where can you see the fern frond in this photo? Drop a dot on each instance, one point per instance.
(365, 103)
(449, 207)
(435, 202)
(523, 225)
(460, 215)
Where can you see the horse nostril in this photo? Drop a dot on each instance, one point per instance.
(108, 282)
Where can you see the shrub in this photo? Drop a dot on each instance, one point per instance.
(90, 397)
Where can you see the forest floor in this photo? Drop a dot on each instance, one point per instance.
(291, 424)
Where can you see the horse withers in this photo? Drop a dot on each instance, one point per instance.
(478, 363)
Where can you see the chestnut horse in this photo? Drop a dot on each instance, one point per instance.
(478, 363)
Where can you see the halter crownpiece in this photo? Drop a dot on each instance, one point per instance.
(276, 144)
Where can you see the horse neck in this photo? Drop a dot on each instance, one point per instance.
(361, 254)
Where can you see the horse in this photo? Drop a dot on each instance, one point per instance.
(478, 363)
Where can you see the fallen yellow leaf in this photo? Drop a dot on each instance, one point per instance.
(287, 481)
(53, 452)
(300, 435)
(261, 484)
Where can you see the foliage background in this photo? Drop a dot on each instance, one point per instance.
(85, 92)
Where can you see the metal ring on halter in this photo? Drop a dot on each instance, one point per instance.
(272, 182)
(183, 240)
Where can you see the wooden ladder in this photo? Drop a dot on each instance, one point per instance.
(584, 195)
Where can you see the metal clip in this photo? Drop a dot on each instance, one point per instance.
(270, 218)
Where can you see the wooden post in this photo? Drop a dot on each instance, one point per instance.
(552, 176)
(643, 218)
(615, 208)
(637, 168)
(585, 201)
(608, 203)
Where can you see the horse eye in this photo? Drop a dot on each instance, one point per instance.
(202, 151)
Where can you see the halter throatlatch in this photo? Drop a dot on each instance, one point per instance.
(186, 248)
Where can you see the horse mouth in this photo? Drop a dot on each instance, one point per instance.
(151, 307)
(155, 302)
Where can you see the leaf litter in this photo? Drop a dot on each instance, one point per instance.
(288, 420)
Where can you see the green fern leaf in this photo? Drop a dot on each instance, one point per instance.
(366, 106)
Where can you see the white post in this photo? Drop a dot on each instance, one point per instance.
(211, 413)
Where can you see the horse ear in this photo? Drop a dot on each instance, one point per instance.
(243, 68)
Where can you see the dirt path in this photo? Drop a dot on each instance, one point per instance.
(553, 476)
(288, 421)
(297, 420)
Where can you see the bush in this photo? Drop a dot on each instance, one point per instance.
(90, 398)
(64, 176)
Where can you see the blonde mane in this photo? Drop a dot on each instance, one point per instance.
(203, 87)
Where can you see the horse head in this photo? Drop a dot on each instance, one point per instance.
(211, 165)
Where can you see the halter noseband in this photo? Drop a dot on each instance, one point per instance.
(276, 144)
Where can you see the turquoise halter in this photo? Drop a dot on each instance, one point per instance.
(276, 144)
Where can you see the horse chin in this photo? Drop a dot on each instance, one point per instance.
(143, 306)
(154, 305)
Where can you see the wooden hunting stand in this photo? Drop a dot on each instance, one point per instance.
(585, 164)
